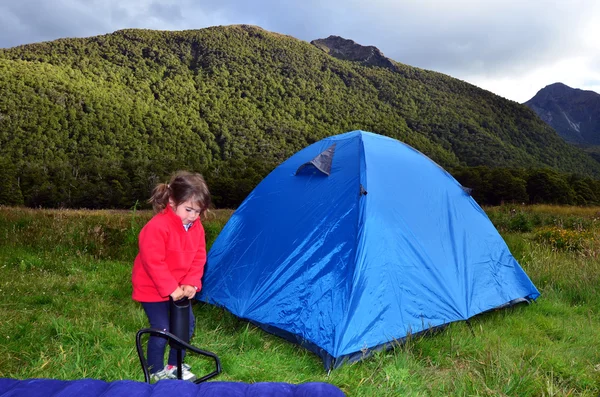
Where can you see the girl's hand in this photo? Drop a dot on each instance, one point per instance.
(189, 291)
(178, 294)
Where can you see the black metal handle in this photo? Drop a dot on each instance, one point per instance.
(179, 342)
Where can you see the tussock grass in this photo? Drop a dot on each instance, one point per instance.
(66, 312)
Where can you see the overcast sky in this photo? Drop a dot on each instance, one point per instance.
(510, 47)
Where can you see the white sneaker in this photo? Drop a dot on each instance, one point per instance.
(162, 374)
(186, 374)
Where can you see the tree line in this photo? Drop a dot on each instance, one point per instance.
(495, 186)
(100, 184)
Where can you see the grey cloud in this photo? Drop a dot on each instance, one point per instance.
(296, 19)
(42, 21)
(168, 12)
(119, 15)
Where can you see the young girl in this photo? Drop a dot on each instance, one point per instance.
(170, 262)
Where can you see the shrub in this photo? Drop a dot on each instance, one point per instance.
(563, 239)
(520, 223)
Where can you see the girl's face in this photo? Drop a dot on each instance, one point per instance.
(188, 211)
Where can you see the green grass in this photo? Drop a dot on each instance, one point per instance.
(66, 312)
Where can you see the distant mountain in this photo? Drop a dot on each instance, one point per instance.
(573, 113)
(97, 121)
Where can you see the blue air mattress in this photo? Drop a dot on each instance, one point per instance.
(129, 388)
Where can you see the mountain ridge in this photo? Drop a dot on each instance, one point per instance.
(349, 50)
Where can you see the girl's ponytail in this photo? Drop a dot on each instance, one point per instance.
(160, 197)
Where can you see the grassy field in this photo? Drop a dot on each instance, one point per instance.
(66, 312)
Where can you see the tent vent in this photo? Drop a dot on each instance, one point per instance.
(322, 162)
(363, 192)
(467, 190)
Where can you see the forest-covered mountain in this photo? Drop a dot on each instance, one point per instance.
(573, 113)
(96, 122)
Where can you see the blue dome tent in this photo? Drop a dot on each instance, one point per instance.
(358, 241)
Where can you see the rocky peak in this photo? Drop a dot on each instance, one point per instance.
(349, 50)
(573, 113)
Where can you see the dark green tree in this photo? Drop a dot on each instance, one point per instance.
(10, 191)
(546, 186)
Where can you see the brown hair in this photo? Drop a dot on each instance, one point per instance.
(182, 187)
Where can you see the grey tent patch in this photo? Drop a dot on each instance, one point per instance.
(467, 190)
(321, 162)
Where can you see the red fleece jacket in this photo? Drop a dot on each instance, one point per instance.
(168, 257)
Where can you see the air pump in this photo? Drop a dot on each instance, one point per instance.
(178, 337)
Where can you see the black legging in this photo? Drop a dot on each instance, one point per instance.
(158, 315)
